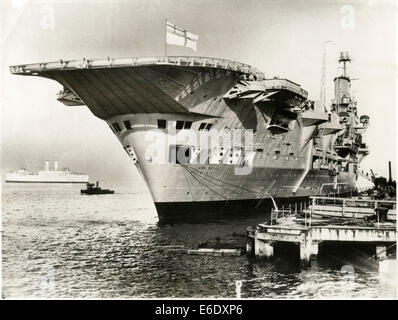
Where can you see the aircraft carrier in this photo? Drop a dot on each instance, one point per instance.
(160, 107)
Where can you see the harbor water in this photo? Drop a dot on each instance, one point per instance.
(57, 243)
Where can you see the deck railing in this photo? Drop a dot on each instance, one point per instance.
(288, 210)
(349, 207)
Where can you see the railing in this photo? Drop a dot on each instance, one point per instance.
(288, 210)
(348, 207)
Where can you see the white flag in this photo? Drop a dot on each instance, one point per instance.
(180, 37)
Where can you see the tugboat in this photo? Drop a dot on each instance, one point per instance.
(95, 190)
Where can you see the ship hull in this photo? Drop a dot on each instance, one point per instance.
(198, 191)
(191, 211)
(175, 202)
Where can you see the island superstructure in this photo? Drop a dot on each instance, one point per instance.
(47, 175)
(299, 148)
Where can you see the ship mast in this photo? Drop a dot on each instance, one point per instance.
(322, 96)
(344, 58)
(342, 85)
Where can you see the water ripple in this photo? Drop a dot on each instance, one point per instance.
(59, 244)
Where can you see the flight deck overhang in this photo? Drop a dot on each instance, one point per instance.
(35, 69)
(114, 86)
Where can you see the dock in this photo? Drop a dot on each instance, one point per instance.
(350, 225)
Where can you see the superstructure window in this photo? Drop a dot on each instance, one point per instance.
(205, 126)
(161, 124)
(187, 124)
(179, 125)
(116, 126)
(127, 124)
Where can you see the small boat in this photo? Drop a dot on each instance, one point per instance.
(95, 190)
(217, 252)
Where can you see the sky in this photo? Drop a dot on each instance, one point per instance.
(281, 38)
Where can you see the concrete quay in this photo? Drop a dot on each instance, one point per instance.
(307, 235)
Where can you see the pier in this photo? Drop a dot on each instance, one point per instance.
(308, 233)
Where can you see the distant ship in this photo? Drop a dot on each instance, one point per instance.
(300, 147)
(47, 175)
